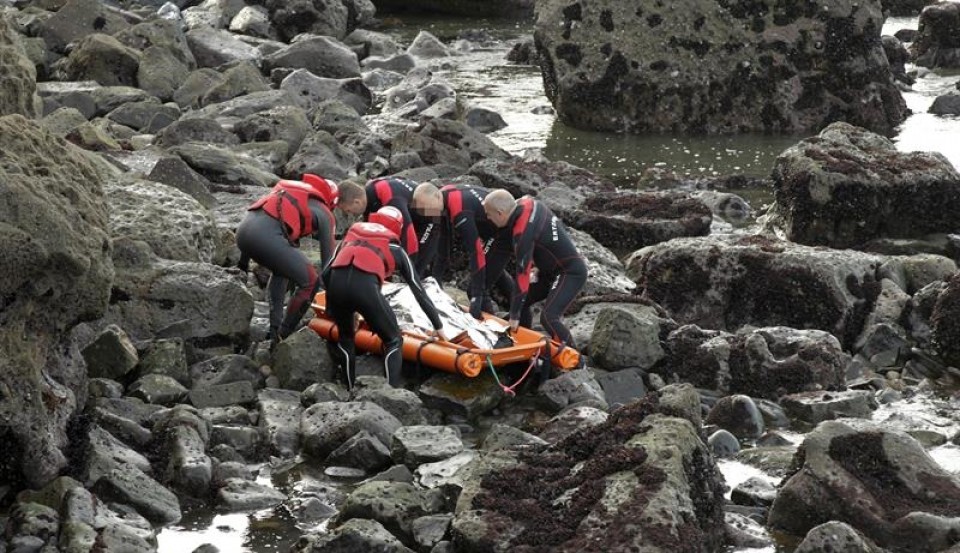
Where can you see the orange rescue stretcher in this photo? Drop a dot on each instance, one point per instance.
(460, 354)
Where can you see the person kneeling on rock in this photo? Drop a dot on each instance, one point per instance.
(270, 234)
(370, 253)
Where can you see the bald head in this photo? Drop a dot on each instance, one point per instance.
(427, 200)
(499, 205)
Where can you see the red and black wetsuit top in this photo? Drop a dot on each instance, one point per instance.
(539, 237)
(367, 247)
(463, 208)
(372, 248)
(397, 192)
(303, 211)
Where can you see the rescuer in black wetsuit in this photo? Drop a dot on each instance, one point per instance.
(270, 234)
(368, 254)
(539, 238)
(398, 192)
(460, 207)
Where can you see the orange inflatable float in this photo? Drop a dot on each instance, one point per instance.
(459, 355)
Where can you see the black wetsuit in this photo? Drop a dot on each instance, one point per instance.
(540, 238)
(262, 238)
(396, 192)
(463, 213)
(352, 290)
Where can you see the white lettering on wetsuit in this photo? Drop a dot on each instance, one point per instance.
(426, 233)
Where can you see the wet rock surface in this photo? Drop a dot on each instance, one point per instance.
(886, 481)
(618, 463)
(58, 260)
(137, 400)
(848, 186)
(740, 280)
(726, 67)
(935, 45)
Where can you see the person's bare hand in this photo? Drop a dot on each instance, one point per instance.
(514, 325)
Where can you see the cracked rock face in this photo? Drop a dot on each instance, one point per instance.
(716, 67)
(57, 271)
(644, 473)
(878, 481)
(847, 186)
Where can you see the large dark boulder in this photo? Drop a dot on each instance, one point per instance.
(938, 43)
(628, 221)
(642, 480)
(19, 83)
(879, 481)
(452, 143)
(104, 59)
(766, 362)
(716, 67)
(946, 104)
(77, 19)
(520, 177)
(175, 225)
(727, 282)
(157, 298)
(320, 55)
(945, 322)
(56, 272)
(905, 8)
(848, 186)
(622, 221)
(321, 17)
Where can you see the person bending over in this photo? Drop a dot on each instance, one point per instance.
(270, 234)
(461, 209)
(368, 254)
(396, 192)
(539, 239)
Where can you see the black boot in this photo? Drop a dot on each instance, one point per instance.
(273, 336)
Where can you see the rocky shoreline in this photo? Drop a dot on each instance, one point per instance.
(133, 387)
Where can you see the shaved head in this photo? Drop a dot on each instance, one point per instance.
(500, 200)
(499, 205)
(427, 200)
(426, 192)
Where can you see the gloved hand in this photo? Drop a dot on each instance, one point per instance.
(244, 263)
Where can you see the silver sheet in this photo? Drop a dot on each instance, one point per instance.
(455, 320)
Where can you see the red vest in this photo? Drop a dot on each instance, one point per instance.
(288, 203)
(367, 247)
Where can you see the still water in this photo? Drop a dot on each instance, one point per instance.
(484, 77)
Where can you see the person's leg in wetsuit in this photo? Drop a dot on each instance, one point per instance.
(276, 296)
(538, 291)
(261, 237)
(352, 290)
(383, 322)
(558, 299)
(343, 350)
